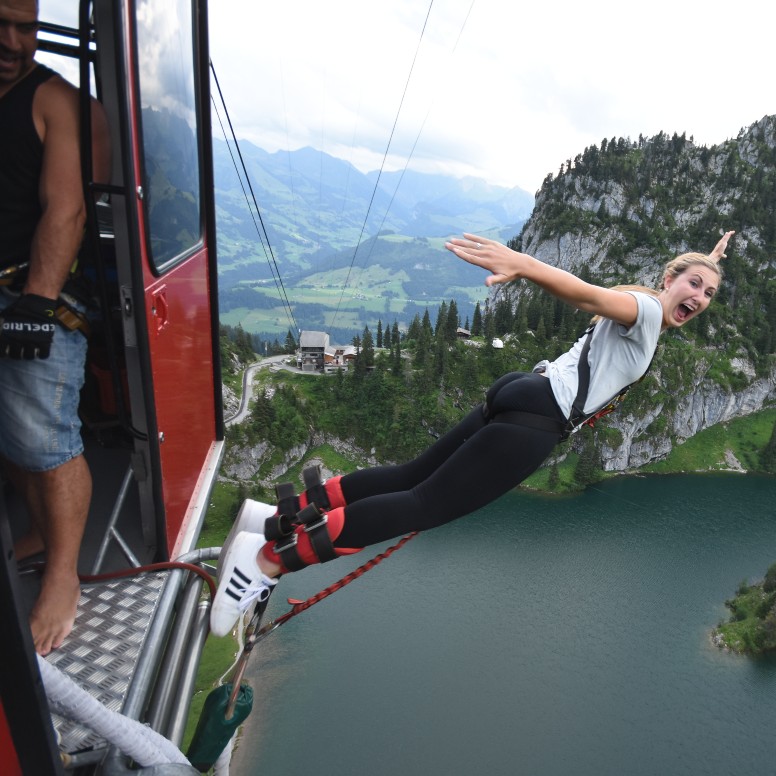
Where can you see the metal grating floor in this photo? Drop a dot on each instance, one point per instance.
(101, 653)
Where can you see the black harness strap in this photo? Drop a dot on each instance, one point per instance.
(288, 503)
(315, 526)
(583, 368)
(282, 527)
(314, 487)
(531, 420)
(578, 417)
(278, 527)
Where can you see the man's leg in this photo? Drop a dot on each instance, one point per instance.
(40, 442)
(58, 502)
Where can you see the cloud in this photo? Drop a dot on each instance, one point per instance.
(502, 91)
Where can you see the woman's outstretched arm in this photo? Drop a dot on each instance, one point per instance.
(504, 264)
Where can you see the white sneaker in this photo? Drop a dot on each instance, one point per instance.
(251, 518)
(240, 584)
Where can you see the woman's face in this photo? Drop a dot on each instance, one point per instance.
(687, 295)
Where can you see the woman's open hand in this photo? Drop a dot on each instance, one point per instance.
(504, 263)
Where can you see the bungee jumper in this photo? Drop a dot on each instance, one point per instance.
(491, 451)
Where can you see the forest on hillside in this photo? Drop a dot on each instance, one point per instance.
(642, 202)
(614, 214)
(405, 390)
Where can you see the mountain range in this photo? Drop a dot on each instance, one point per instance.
(346, 248)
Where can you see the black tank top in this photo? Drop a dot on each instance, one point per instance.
(21, 158)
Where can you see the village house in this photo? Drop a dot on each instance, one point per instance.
(317, 354)
(311, 355)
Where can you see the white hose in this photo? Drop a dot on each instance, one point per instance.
(144, 745)
(221, 765)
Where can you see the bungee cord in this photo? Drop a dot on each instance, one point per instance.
(411, 153)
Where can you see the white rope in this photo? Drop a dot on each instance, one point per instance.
(221, 765)
(141, 743)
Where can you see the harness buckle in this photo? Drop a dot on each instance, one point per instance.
(289, 543)
(278, 527)
(320, 523)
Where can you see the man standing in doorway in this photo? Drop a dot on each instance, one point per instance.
(42, 219)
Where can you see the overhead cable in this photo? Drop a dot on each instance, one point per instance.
(412, 151)
(262, 232)
(382, 165)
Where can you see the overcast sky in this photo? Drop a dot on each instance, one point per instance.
(498, 90)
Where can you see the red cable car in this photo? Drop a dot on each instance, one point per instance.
(151, 408)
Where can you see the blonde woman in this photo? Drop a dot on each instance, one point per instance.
(492, 450)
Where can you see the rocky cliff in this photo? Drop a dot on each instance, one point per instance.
(616, 214)
(701, 403)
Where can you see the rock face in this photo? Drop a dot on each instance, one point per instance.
(704, 406)
(617, 213)
(230, 400)
(243, 463)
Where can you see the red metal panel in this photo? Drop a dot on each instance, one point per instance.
(8, 758)
(178, 317)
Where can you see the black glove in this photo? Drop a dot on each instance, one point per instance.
(28, 327)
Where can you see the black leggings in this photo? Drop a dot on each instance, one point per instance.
(470, 466)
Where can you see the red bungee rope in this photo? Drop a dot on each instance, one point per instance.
(300, 606)
(168, 565)
(134, 571)
(254, 637)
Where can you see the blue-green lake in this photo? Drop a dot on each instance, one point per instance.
(540, 636)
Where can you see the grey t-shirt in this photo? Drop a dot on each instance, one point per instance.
(618, 357)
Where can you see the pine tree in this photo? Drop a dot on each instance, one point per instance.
(379, 338)
(477, 321)
(441, 320)
(452, 323)
(423, 345)
(587, 468)
(426, 323)
(367, 348)
(502, 316)
(290, 346)
(488, 327)
(413, 330)
(396, 367)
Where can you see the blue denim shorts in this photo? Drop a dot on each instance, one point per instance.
(39, 424)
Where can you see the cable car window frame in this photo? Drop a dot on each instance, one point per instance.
(177, 108)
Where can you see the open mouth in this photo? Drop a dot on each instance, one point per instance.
(683, 312)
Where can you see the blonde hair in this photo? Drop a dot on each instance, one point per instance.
(682, 263)
(674, 268)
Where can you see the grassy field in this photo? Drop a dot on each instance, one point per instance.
(743, 437)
